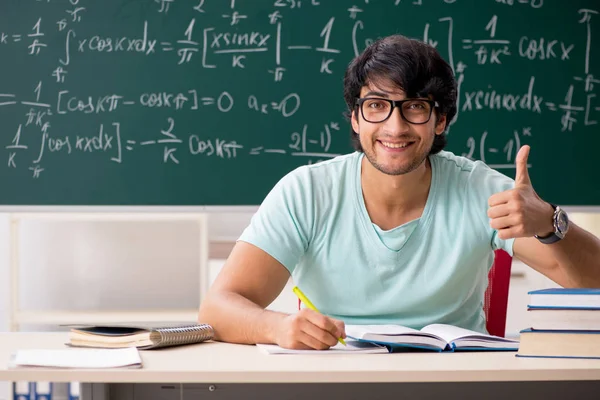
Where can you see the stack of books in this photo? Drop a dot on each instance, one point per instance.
(565, 323)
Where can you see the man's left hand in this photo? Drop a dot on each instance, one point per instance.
(520, 212)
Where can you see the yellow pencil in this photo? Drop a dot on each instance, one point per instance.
(310, 305)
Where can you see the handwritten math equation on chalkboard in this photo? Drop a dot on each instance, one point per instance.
(235, 44)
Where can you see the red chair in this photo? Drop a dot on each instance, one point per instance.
(496, 295)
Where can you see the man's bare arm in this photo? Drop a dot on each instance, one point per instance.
(520, 213)
(572, 262)
(235, 305)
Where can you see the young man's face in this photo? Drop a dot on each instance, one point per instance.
(395, 146)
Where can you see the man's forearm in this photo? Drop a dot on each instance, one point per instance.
(238, 320)
(578, 256)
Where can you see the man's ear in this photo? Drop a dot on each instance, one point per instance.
(440, 125)
(354, 121)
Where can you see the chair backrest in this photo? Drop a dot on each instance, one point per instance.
(496, 295)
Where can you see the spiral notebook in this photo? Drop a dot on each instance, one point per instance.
(142, 337)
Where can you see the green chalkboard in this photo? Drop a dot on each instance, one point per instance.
(211, 102)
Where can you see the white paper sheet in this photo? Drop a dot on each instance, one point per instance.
(78, 358)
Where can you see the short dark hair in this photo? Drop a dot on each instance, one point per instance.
(415, 67)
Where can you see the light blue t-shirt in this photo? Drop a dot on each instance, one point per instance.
(429, 270)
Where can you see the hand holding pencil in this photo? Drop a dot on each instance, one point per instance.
(310, 305)
(309, 329)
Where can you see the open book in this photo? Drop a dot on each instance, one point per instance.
(436, 337)
(142, 337)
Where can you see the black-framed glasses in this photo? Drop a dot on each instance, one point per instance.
(414, 111)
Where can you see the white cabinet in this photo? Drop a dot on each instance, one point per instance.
(20, 256)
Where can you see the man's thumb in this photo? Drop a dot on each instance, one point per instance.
(522, 175)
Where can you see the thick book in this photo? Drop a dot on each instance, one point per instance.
(572, 319)
(142, 337)
(565, 298)
(559, 344)
(435, 337)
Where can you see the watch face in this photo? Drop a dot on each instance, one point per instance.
(562, 222)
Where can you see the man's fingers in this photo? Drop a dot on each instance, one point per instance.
(499, 198)
(325, 337)
(341, 328)
(498, 211)
(522, 174)
(335, 328)
(323, 322)
(502, 223)
(311, 342)
(508, 233)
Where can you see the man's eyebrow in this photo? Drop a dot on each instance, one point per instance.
(378, 94)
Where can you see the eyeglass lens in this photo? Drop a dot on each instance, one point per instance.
(378, 110)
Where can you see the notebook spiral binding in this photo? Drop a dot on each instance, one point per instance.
(174, 336)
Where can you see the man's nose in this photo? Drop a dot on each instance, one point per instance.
(395, 123)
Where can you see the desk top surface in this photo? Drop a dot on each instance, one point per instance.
(214, 362)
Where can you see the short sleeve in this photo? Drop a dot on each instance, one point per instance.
(484, 183)
(281, 227)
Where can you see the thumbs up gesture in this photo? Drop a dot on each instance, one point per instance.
(520, 212)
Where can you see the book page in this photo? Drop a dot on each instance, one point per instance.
(78, 358)
(451, 333)
(359, 331)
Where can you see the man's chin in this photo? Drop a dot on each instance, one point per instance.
(394, 169)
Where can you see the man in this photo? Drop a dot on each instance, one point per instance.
(399, 232)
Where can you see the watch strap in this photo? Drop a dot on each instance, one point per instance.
(553, 237)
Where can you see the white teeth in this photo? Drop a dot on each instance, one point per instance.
(394, 145)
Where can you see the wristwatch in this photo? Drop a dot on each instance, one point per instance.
(560, 220)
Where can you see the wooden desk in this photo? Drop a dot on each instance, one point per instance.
(234, 369)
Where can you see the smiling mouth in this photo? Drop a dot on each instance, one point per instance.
(391, 145)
